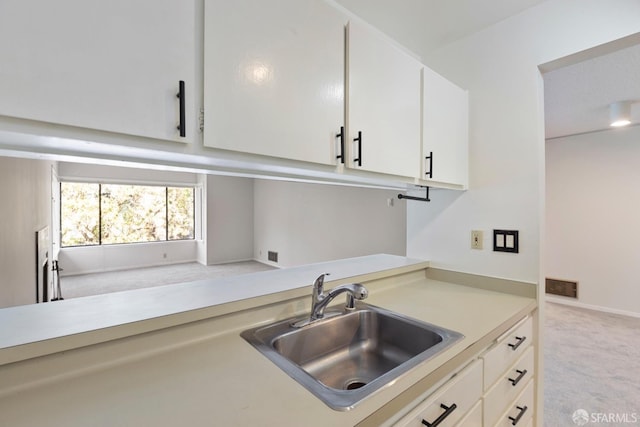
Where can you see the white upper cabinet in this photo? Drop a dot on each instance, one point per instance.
(445, 143)
(274, 78)
(383, 104)
(106, 65)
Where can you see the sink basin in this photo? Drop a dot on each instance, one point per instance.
(346, 356)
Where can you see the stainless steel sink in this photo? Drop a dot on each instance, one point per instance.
(348, 355)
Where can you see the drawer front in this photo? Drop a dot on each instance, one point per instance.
(509, 347)
(520, 412)
(463, 391)
(473, 418)
(512, 382)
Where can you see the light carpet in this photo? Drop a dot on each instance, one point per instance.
(591, 362)
(116, 281)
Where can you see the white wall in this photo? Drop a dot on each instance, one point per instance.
(96, 259)
(25, 192)
(308, 223)
(229, 225)
(499, 68)
(592, 232)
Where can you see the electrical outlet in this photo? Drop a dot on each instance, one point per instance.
(476, 239)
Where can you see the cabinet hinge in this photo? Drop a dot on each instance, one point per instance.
(201, 119)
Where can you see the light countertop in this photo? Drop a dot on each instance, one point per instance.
(41, 329)
(204, 374)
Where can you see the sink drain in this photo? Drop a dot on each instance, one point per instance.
(355, 384)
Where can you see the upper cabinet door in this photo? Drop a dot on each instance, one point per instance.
(446, 131)
(107, 65)
(384, 104)
(274, 78)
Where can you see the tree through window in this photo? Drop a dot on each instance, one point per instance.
(95, 214)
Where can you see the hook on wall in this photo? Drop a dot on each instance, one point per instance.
(419, 199)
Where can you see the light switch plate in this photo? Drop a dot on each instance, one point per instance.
(506, 241)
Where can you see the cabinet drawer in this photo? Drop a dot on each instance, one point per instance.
(473, 418)
(520, 412)
(508, 387)
(507, 349)
(463, 391)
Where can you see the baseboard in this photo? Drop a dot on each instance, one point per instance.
(243, 260)
(572, 303)
(269, 263)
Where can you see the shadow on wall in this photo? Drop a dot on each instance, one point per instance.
(307, 223)
(423, 219)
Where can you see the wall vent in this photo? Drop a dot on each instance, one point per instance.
(272, 256)
(564, 288)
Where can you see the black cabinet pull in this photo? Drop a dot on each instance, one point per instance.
(515, 420)
(359, 141)
(447, 411)
(341, 136)
(182, 127)
(522, 373)
(430, 158)
(515, 346)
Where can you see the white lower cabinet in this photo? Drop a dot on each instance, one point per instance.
(473, 417)
(507, 348)
(505, 390)
(495, 389)
(509, 377)
(520, 412)
(447, 405)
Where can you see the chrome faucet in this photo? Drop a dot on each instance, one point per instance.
(320, 300)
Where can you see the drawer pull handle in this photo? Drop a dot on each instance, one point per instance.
(515, 346)
(515, 420)
(358, 160)
(430, 158)
(182, 127)
(522, 373)
(447, 411)
(341, 136)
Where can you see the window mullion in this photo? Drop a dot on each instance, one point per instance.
(99, 214)
(166, 213)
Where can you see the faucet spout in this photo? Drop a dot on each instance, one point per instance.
(320, 300)
(355, 291)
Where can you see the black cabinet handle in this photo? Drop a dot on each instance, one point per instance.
(445, 414)
(515, 420)
(522, 373)
(341, 136)
(430, 158)
(182, 127)
(515, 346)
(359, 141)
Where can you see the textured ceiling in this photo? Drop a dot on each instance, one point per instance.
(577, 97)
(425, 25)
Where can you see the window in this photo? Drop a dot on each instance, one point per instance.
(101, 214)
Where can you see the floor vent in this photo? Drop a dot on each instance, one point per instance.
(564, 288)
(272, 256)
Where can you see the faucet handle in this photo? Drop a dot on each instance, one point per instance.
(319, 284)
